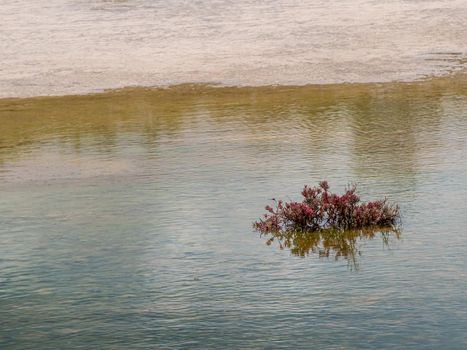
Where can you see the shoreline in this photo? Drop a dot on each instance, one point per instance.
(87, 47)
(454, 78)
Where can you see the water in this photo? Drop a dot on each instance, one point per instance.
(125, 218)
(60, 47)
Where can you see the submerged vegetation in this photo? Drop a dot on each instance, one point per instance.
(321, 209)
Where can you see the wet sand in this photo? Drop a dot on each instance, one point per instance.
(76, 47)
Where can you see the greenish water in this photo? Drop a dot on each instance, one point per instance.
(125, 218)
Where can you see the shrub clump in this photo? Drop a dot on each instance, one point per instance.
(321, 209)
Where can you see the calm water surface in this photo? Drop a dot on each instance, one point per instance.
(63, 47)
(125, 218)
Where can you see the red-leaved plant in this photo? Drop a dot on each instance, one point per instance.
(321, 209)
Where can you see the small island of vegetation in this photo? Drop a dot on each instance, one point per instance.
(324, 210)
(326, 223)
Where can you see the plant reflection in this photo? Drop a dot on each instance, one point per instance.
(332, 243)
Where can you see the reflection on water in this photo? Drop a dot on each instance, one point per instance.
(331, 243)
(125, 217)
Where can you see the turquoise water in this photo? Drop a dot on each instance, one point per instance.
(126, 219)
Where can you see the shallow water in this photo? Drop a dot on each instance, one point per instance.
(126, 218)
(59, 47)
